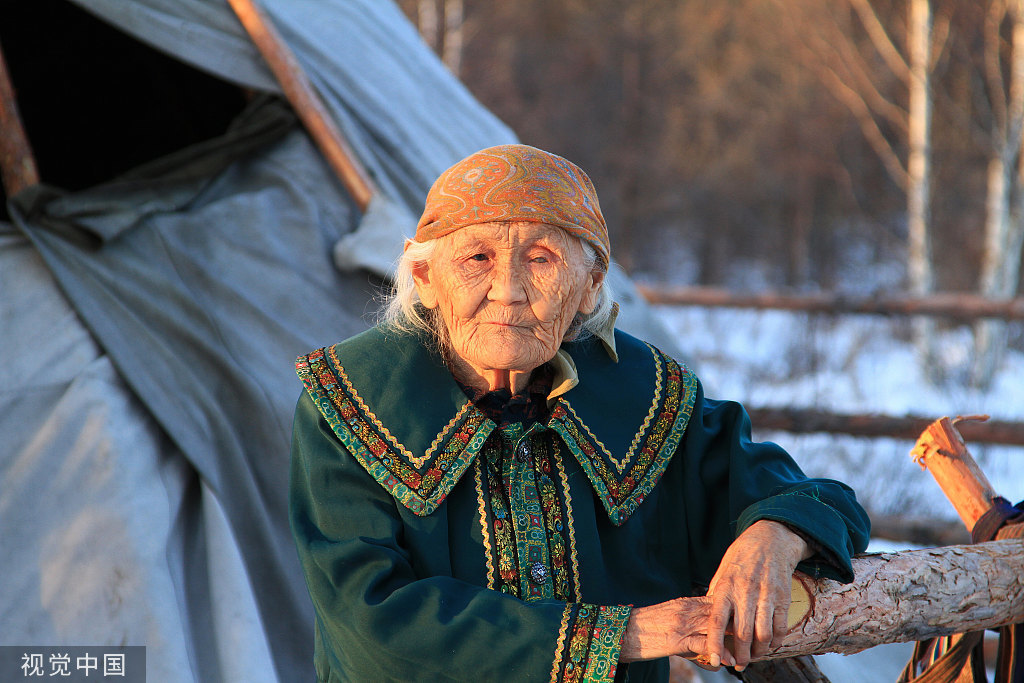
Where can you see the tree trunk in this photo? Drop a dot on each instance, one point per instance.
(453, 27)
(919, 257)
(429, 25)
(907, 596)
(1000, 265)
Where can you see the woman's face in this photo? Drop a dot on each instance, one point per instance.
(507, 291)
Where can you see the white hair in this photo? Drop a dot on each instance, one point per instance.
(402, 309)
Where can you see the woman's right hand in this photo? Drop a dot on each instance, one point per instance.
(676, 627)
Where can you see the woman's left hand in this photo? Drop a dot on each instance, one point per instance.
(750, 592)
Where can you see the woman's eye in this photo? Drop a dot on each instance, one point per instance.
(478, 257)
(539, 259)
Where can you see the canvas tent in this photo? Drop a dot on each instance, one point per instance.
(147, 331)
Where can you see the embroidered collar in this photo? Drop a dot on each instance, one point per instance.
(393, 404)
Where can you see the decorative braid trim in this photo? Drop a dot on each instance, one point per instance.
(556, 668)
(417, 461)
(574, 561)
(478, 476)
(664, 429)
(385, 459)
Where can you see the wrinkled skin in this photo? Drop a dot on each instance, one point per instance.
(748, 600)
(507, 293)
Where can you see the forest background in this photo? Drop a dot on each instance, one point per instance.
(856, 146)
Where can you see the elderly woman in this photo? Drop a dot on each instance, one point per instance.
(495, 484)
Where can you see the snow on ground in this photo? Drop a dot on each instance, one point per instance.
(853, 364)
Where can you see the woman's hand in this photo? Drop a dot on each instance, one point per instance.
(750, 593)
(675, 627)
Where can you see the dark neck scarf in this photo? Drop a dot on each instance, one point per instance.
(526, 406)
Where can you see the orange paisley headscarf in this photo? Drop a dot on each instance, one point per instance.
(515, 183)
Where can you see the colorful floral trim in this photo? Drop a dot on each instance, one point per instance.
(623, 488)
(606, 642)
(504, 541)
(573, 558)
(554, 522)
(422, 482)
(420, 488)
(521, 472)
(530, 551)
(416, 461)
(592, 653)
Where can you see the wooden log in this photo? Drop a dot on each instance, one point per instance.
(806, 420)
(787, 670)
(907, 596)
(954, 306)
(942, 451)
(17, 163)
(306, 102)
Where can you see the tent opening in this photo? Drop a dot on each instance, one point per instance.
(95, 102)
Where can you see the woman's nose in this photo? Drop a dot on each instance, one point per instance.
(508, 284)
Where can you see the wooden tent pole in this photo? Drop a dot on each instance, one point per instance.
(17, 164)
(307, 103)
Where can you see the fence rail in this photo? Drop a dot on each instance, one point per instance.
(808, 420)
(955, 306)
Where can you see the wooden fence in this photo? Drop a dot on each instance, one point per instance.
(959, 307)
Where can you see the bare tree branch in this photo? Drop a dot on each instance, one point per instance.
(848, 58)
(889, 52)
(994, 69)
(868, 125)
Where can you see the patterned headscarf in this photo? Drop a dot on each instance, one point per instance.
(515, 183)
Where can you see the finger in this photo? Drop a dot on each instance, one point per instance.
(764, 629)
(703, 662)
(743, 633)
(718, 621)
(780, 627)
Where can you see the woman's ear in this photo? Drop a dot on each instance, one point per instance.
(591, 292)
(422, 277)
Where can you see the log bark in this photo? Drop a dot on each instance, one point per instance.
(907, 596)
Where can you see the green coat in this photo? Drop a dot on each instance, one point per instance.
(437, 546)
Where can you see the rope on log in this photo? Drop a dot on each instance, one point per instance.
(804, 420)
(962, 307)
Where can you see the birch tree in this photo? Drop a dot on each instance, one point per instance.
(848, 68)
(454, 23)
(441, 24)
(1004, 220)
